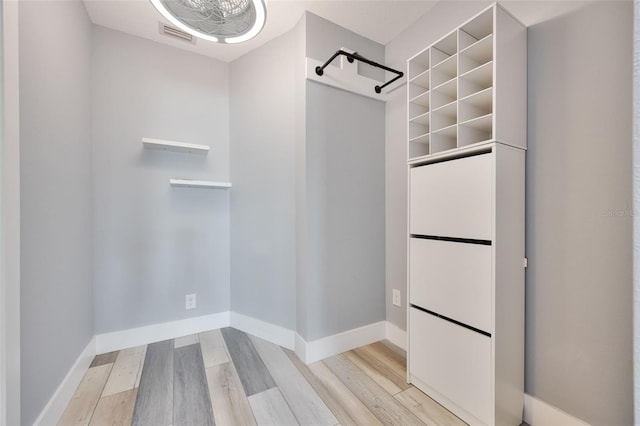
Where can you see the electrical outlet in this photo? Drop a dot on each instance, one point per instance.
(190, 301)
(396, 297)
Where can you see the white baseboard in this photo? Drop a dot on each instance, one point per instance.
(132, 337)
(61, 397)
(332, 345)
(307, 351)
(301, 348)
(396, 335)
(539, 413)
(264, 330)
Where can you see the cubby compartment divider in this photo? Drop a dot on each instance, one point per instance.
(421, 98)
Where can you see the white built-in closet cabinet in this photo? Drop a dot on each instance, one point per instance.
(466, 147)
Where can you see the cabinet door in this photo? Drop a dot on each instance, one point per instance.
(454, 360)
(452, 279)
(453, 198)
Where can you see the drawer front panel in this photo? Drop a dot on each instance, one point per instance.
(452, 279)
(453, 198)
(453, 360)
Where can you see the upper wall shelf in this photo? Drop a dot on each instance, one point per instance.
(200, 184)
(175, 146)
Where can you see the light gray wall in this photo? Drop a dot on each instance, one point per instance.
(324, 38)
(345, 193)
(55, 164)
(344, 190)
(578, 307)
(636, 206)
(579, 198)
(307, 216)
(155, 243)
(302, 219)
(10, 217)
(263, 213)
(396, 204)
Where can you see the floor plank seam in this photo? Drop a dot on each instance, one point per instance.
(93, 412)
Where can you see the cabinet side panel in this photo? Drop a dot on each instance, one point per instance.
(510, 80)
(408, 298)
(509, 285)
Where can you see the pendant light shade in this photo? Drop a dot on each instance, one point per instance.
(221, 21)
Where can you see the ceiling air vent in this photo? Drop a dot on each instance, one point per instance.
(176, 33)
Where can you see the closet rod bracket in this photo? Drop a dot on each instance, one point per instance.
(355, 56)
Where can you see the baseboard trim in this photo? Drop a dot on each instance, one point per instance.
(325, 347)
(539, 413)
(52, 412)
(117, 340)
(301, 348)
(264, 330)
(396, 335)
(307, 351)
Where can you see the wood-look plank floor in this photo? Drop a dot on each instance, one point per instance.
(191, 401)
(155, 399)
(226, 377)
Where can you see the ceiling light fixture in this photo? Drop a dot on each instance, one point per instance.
(220, 21)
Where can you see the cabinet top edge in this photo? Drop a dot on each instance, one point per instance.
(454, 153)
(451, 154)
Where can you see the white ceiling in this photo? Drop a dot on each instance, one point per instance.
(379, 20)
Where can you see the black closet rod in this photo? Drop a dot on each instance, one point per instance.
(354, 55)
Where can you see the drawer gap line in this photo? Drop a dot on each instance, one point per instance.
(461, 324)
(452, 239)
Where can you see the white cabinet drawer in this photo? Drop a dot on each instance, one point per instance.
(452, 279)
(453, 198)
(452, 359)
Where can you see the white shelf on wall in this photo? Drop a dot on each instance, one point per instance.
(174, 146)
(200, 184)
(345, 77)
